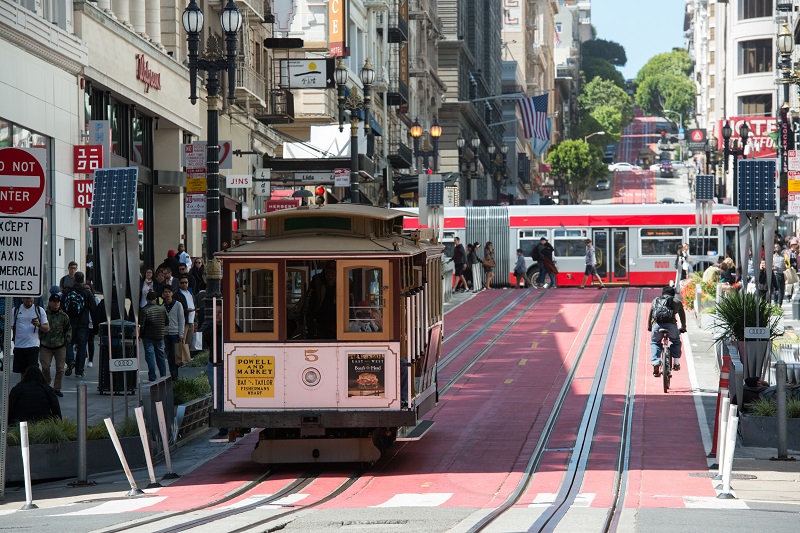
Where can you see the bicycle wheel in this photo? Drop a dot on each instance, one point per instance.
(666, 371)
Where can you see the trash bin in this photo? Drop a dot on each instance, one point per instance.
(121, 379)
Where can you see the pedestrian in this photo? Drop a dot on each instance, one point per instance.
(488, 264)
(169, 278)
(54, 343)
(183, 257)
(152, 330)
(790, 254)
(476, 266)
(536, 255)
(547, 265)
(159, 282)
(198, 274)
(778, 279)
(147, 284)
(520, 272)
(94, 327)
(174, 330)
(79, 304)
(27, 321)
(591, 267)
(184, 272)
(68, 281)
(683, 262)
(460, 262)
(189, 313)
(32, 398)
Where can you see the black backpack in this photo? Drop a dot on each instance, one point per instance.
(663, 310)
(535, 254)
(74, 302)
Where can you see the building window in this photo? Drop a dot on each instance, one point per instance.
(751, 9)
(755, 104)
(755, 56)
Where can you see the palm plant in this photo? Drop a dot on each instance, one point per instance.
(735, 307)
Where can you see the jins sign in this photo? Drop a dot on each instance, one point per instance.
(144, 74)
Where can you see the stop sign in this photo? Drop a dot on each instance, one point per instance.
(22, 181)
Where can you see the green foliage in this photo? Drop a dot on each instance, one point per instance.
(200, 360)
(689, 290)
(579, 163)
(594, 67)
(667, 91)
(792, 408)
(53, 431)
(600, 93)
(188, 389)
(128, 428)
(763, 407)
(97, 431)
(610, 51)
(677, 62)
(732, 309)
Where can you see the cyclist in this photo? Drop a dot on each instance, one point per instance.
(665, 318)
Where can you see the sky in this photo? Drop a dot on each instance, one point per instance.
(645, 28)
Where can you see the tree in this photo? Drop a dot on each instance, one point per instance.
(610, 51)
(667, 91)
(594, 67)
(579, 163)
(609, 106)
(676, 62)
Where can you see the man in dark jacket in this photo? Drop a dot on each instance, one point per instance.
(152, 327)
(670, 324)
(53, 344)
(80, 325)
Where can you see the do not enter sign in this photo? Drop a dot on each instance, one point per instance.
(22, 181)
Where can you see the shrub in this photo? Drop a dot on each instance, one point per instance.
(97, 432)
(793, 408)
(199, 360)
(708, 290)
(763, 407)
(185, 390)
(55, 431)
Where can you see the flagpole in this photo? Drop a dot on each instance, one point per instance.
(511, 95)
(510, 121)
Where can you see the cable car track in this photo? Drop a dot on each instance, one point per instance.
(576, 469)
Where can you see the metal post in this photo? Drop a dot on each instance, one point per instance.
(139, 411)
(162, 426)
(26, 467)
(722, 437)
(212, 195)
(780, 382)
(6, 384)
(355, 197)
(730, 446)
(82, 437)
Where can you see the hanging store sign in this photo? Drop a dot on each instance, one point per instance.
(308, 73)
(759, 142)
(243, 181)
(87, 158)
(83, 190)
(147, 76)
(100, 133)
(337, 28)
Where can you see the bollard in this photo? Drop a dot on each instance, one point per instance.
(26, 467)
(82, 424)
(730, 447)
(725, 409)
(112, 432)
(139, 412)
(162, 426)
(780, 383)
(796, 305)
(722, 391)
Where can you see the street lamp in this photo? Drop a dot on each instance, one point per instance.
(593, 134)
(354, 103)
(467, 159)
(435, 132)
(213, 61)
(744, 133)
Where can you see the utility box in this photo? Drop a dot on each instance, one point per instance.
(124, 382)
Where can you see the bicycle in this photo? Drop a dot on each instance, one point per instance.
(666, 358)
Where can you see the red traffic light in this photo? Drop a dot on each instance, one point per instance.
(320, 190)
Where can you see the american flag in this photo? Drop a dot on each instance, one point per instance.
(534, 117)
(557, 39)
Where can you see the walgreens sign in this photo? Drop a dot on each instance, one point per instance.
(759, 143)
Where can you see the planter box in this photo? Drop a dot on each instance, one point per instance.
(762, 431)
(60, 461)
(192, 416)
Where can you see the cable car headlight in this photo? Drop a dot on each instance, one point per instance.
(311, 377)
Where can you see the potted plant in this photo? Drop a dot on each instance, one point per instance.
(736, 311)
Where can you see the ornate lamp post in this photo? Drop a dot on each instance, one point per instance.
(354, 103)
(467, 159)
(213, 61)
(744, 133)
(435, 132)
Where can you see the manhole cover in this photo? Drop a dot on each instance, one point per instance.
(712, 474)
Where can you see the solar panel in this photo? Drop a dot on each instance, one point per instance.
(114, 197)
(704, 187)
(435, 193)
(757, 185)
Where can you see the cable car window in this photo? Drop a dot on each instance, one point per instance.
(365, 309)
(569, 242)
(660, 241)
(529, 238)
(253, 308)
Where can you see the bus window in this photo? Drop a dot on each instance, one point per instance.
(447, 241)
(660, 241)
(569, 242)
(528, 238)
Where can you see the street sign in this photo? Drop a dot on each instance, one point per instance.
(196, 185)
(794, 160)
(124, 364)
(341, 177)
(195, 206)
(20, 256)
(194, 155)
(22, 181)
(793, 205)
(793, 185)
(681, 133)
(697, 140)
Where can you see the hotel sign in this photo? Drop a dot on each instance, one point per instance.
(337, 27)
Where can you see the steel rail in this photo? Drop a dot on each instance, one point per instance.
(547, 431)
(461, 328)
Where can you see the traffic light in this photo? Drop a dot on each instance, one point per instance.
(663, 137)
(319, 192)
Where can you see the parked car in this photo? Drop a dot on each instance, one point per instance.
(666, 169)
(602, 185)
(668, 200)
